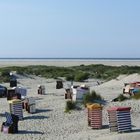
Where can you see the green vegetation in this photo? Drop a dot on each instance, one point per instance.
(121, 98)
(70, 105)
(81, 76)
(4, 75)
(136, 96)
(91, 98)
(75, 73)
(69, 77)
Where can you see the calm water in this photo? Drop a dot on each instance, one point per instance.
(69, 59)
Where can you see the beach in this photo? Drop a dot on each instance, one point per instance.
(50, 122)
(66, 62)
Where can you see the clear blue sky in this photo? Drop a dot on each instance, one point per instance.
(70, 28)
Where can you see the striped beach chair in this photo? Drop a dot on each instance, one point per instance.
(16, 108)
(94, 116)
(119, 119)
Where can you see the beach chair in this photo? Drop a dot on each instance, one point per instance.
(21, 91)
(3, 91)
(13, 82)
(31, 105)
(119, 119)
(11, 94)
(11, 123)
(94, 113)
(68, 94)
(16, 108)
(41, 89)
(59, 84)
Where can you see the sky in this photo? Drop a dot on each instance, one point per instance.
(70, 28)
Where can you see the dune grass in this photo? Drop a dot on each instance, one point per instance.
(75, 73)
(91, 98)
(136, 96)
(121, 98)
(70, 105)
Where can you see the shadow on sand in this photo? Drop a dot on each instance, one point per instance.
(136, 130)
(35, 117)
(105, 127)
(43, 110)
(29, 132)
(38, 98)
(2, 114)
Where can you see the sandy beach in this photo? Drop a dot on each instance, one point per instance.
(67, 63)
(50, 122)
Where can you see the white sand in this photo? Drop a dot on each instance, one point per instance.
(51, 123)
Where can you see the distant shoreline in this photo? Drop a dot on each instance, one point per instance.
(65, 62)
(67, 58)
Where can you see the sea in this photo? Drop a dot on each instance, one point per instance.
(69, 59)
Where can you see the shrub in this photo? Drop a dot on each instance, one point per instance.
(136, 96)
(5, 73)
(91, 97)
(81, 76)
(4, 79)
(120, 98)
(87, 99)
(70, 105)
(69, 77)
(95, 95)
(99, 76)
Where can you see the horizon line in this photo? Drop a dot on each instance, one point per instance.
(69, 58)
